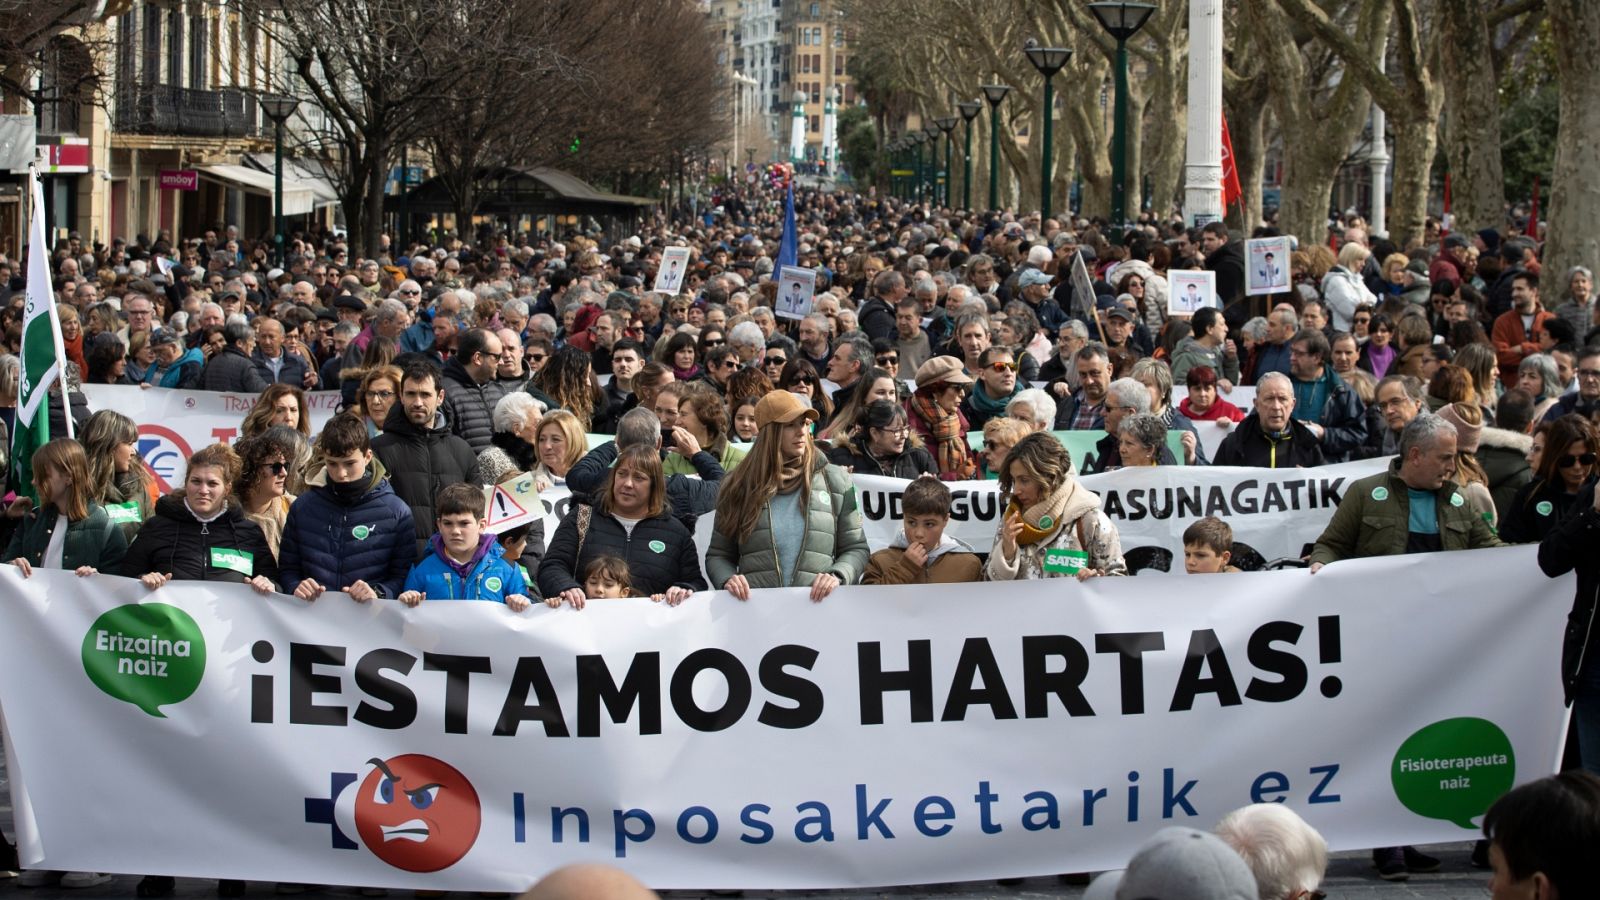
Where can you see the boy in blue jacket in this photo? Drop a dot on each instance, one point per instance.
(464, 563)
(350, 532)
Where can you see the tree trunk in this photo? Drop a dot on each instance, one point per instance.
(1166, 117)
(1574, 224)
(1062, 171)
(1472, 130)
(1094, 160)
(1308, 174)
(1415, 141)
(373, 226)
(1247, 128)
(1133, 162)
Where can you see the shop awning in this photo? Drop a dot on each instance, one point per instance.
(307, 173)
(298, 198)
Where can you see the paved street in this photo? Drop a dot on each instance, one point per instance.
(1350, 876)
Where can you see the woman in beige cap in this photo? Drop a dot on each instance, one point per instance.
(935, 415)
(785, 517)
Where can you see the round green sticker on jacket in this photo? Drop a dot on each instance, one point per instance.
(360, 532)
(658, 546)
(1455, 500)
(1544, 508)
(1380, 493)
(492, 583)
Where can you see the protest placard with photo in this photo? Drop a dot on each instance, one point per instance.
(1266, 269)
(1191, 290)
(796, 289)
(674, 262)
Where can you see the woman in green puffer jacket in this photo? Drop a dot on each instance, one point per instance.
(785, 517)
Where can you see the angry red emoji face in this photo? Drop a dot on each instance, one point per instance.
(417, 813)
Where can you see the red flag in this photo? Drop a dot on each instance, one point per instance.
(1533, 214)
(1231, 192)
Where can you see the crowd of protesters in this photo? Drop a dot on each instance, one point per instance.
(463, 364)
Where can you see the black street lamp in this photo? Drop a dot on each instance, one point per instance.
(931, 131)
(969, 111)
(918, 138)
(995, 94)
(1049, 61)
(278, 108)
(947, 124)
(1122, 20)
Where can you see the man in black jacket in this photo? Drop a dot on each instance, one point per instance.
(470, 389)
(875, 318)
(1270, 438)
(231, 369)
(418, 450)
(688, 497)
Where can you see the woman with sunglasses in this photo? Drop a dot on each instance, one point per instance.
(262, 489)
(800, 377)
(1566, 466)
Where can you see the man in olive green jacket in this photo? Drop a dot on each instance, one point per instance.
(1412, 508)
(1376, 516)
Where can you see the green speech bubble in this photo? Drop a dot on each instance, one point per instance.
(148, 654)
(1454, 769)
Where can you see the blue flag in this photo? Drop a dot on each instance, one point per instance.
(788, 249)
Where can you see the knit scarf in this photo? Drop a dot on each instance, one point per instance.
(981, 402)
(1043, 519)
(795, 472)
(950, 449)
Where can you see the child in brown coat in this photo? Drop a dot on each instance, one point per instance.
(921, 553)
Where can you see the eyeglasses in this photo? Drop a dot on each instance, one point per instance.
(717, 343)
(277, 468)
(771, 360)
(1573, 459)
(730, 364)
(1002, 366)
(380, 395)
(805, 381)
(900, 431)
(1589, 373)
(412, 293)
(888, 360)
(536, 357)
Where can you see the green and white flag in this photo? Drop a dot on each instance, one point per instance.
(42, 354)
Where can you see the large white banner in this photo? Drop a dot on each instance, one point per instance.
(174, 424)
(1274, 511)
(884, 736)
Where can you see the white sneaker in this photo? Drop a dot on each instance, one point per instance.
(84, 879)
(37, 878)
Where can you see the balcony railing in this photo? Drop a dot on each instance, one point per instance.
(163, 109)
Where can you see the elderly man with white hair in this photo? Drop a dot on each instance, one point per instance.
(746, 340)
(1286, 855)
(1124, 397)
(1034, 407)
